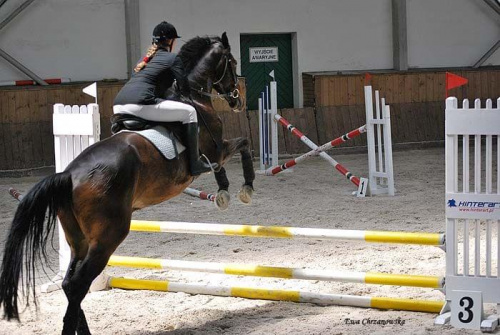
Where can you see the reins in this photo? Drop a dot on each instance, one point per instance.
(205, 123)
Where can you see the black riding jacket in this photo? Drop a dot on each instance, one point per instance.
(149, 85)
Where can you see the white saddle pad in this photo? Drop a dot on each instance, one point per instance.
(163, 140)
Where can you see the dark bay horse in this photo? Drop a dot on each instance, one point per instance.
(95, 196)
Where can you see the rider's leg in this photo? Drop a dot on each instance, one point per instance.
(174, 111)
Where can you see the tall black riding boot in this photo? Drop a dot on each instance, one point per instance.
(197, 166)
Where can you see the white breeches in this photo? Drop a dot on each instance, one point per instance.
(166, 111)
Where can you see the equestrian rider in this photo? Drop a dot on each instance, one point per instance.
(153, 75)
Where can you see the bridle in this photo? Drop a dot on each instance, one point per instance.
(235, 93)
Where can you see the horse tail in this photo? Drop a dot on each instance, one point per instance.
(28, 237)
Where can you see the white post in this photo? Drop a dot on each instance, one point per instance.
(261, 135)
(268, 129)
(75, 128)
(370, 138)
(274, 126)
(389, 169)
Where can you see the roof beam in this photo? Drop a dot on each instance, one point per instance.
(487, 55)
(495, 5)
(22, 68)
(11, 59)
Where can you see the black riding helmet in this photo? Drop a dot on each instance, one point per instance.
(164, 31)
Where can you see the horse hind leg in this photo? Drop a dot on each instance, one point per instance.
(77, 283)
(74, 318)
(90, 254)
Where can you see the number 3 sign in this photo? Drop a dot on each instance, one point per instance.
(466, 309)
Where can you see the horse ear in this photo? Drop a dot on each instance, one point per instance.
(225, 40)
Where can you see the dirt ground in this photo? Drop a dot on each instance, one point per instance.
(313, 195)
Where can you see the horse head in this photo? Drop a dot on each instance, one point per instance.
(210, 65)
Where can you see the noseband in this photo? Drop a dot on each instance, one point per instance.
(235, 94)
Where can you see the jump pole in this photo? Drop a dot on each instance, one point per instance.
(369, 236)
(278, 272)
(200, 194)
(361, 183)
(428, 306)
(16, 194)
(313, 153)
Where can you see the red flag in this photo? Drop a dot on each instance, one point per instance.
(368, 78)
(452, 81)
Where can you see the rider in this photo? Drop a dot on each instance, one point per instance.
(153, 75)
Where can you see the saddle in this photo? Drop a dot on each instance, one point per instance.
(121, 122)
(164, 136)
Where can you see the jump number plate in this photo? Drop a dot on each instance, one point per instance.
(466, 309)
(362, 188)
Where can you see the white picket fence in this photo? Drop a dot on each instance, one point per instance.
(75, 129)
(472, 214)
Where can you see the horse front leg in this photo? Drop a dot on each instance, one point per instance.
(230, 147)
(223, 197)
(246, 192)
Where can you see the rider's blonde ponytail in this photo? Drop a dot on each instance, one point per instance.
(151, 52)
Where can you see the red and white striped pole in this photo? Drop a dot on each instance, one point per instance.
(52, 81)
(352, 178)
(15, 193)
(336, 142)
(200, 194)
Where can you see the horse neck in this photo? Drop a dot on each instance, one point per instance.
(210, 123)
(200, 81)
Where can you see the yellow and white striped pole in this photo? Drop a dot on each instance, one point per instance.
(435, 239)
(430, 306)
(279, 272)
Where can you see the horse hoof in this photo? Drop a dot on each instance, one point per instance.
(222, 200)
(245, 194)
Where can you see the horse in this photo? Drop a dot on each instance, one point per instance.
(95, 196)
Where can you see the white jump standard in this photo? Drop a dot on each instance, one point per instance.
(472, 214)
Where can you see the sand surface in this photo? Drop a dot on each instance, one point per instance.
(313, 195)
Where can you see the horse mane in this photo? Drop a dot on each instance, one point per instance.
(194, 49)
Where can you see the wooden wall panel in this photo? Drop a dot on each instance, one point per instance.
(26, 120)
(335, 105)
(400, 87)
